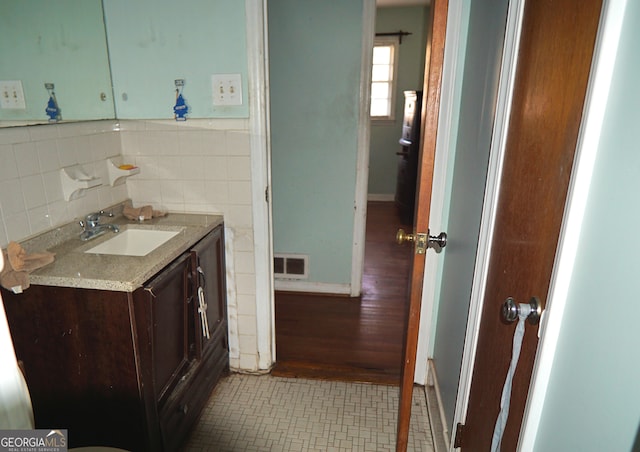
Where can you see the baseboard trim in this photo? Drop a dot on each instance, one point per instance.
(437, 419)
(313, 287)
(380, 197)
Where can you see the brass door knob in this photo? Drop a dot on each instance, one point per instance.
(402, 237)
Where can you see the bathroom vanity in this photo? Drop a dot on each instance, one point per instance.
(120, 350)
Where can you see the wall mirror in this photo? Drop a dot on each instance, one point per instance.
(61, 42)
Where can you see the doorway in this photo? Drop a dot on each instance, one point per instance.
(330, 229)
(351, 338)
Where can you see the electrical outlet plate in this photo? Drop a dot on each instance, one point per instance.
(227, 89)
(12, 95)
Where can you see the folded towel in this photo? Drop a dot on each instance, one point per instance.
(11, 279)
(23, 262)
(141, 213)
(15, 276)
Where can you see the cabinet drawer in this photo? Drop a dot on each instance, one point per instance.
(184, 406)
(178, 416)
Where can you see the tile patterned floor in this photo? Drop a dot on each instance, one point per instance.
(265, 413)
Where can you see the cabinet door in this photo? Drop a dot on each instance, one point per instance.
(209, 276)
(168, 295)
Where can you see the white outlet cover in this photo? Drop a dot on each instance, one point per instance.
(226, 89)
(12, 95)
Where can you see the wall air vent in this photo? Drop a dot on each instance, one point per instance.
(291, 266)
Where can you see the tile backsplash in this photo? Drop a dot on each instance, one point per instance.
(204, 166)
(197, 166)
(31, 199)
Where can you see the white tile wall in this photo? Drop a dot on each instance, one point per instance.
(31, 199)
(198, 166)
(203, 166)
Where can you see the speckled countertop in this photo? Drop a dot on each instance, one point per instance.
(73, 267)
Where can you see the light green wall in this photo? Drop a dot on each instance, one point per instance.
(593, 398)
(154, 42)
(383, 160)
(151, 43)
(315, 55)
(62, 42)
(478, 98)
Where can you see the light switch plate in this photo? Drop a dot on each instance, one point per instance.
(12, 95)
(227, 89)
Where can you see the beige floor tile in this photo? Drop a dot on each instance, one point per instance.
(265, 413)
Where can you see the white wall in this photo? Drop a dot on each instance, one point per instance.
(592, 400)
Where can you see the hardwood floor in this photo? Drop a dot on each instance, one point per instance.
(351, 339)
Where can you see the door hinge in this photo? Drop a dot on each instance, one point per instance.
(458, 440)
(422, 242)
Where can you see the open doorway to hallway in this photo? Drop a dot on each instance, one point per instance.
(351, 339)
(313, 205)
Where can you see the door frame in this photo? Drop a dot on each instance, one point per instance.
(259, 131)
(489, 209)
(444, 160)
(362, 156)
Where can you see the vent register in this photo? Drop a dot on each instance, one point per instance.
(291, 266)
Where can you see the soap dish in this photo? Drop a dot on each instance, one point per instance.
(118, 175)
(75, 181)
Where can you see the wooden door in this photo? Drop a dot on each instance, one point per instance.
(557, 41)
(430, 109)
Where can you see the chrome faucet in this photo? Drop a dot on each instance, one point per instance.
(91, 227)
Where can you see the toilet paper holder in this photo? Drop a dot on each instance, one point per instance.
(512, 310)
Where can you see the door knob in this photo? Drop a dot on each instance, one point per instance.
(511, 310)
(437, 242)
(424, 241)
(402, 237)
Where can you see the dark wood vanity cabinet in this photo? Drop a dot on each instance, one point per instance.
(186, 354)
(128, 370)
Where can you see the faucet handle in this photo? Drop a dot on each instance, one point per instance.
(92, 219)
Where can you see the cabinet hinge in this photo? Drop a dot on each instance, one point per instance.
(266, 194)
(458, 441)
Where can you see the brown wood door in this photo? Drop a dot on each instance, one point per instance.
(557, 41)
(430, 109)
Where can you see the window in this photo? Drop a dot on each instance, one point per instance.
(383, 78)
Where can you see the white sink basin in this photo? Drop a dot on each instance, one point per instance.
(133, 242)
